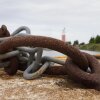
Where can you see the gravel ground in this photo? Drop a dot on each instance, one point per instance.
(43, 88)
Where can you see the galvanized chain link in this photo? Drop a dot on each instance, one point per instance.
(35, 64)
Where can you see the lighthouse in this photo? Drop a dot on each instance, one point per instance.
(63, 35)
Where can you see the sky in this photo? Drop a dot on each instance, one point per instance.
(81, 18)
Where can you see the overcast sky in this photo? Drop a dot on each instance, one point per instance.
(81, 18)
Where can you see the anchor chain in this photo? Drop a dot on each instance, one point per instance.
(23, 51)
(28, 62)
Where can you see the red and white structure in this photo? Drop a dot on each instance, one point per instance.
(63, 36)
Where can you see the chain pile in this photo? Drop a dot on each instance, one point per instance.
(23, 51)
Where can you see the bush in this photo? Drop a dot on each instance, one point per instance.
(97, 39)
(76, 42)
(92, 40)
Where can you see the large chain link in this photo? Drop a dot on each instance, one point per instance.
(22, 51)
(27, 55)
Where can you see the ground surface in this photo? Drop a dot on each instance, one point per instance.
(43, 88)
(91, 47)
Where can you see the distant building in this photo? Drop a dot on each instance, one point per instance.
(63, 36)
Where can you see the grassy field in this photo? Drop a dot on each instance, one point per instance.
(93, 47)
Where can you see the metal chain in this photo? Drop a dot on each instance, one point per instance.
(35, 64)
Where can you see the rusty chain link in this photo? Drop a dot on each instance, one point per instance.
(34, 68)
(22, 51)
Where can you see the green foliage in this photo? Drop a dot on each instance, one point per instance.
(92, 46)
(69, 42)
(76, 42)
(82, 43)
(92, 40)
(97, 39)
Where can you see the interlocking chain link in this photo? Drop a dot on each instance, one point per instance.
(22, 51)
(27, 55)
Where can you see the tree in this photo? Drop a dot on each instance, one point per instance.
(76, 42)
(82, 43)
(97, 39)
(69, 42)
(92, 40)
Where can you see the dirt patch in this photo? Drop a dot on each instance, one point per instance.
(43, 88)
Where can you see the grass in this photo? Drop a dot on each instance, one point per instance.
(92, 47)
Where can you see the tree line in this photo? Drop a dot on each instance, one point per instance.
(94, 40)
(76, 42)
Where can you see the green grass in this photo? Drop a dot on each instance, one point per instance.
(92, 47)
